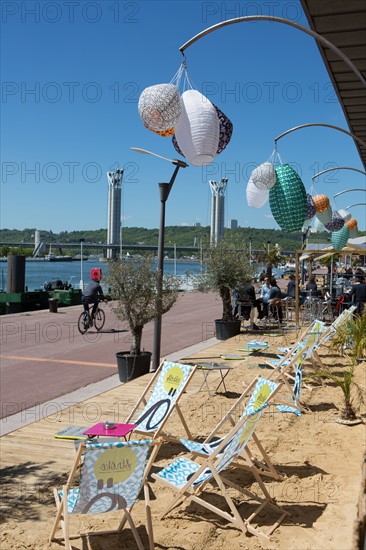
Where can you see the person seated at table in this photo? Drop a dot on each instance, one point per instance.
(247, 294)
(291, 290)
(275, 300)
(311, 285)
(264, 295)
(358, 294)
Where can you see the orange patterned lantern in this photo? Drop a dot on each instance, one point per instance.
(351, 224)
(321, 203)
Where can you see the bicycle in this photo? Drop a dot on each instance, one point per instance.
(85, 321)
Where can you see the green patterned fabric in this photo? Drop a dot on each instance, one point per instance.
(340, 238)
(287, 199)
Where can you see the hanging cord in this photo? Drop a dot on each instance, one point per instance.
(181, 78)
(275, 156)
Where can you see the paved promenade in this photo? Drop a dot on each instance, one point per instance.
(43, 356)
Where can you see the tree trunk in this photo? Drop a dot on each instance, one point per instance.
(269, 271)
(348, 412)
(227, 313)
(136, 340)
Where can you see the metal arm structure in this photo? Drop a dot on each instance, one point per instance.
(320, 124)
(338, 168)
(348, 191)
(356, 204)
(288, 22)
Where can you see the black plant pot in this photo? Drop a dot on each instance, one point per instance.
(227, 329)
(132, 366)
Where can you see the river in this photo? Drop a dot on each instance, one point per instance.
(38, 272)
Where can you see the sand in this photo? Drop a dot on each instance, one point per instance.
(321, 459)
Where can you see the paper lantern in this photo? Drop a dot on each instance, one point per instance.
(163, 133)
(310, 207)
(287, 199)
(340, 238)
(256, 197)
(264, 176)
(353, 233)
(351, 224)
(337, 222)
(198, 129)
(226, 130)
(345, 214)
(159, 107)
(318, 226)
(321, 203)
(326, 216)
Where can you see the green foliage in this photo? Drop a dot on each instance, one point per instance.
(134, 287)
(350, 341)
(226, 267)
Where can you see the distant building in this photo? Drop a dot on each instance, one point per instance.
(233, 224)
(114, 211)
(217, 210)
(196, 224)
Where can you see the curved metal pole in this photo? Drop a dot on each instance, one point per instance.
(348, 191)
(356, 204)
(315, 35)
(320, 124)
(338, 168)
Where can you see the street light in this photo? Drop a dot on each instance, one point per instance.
(81, 284)
(164, 189)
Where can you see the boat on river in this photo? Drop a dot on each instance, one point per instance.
(54, 258)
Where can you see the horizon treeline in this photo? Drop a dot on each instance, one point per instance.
(174, 235)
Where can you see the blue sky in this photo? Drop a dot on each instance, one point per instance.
(72, 74)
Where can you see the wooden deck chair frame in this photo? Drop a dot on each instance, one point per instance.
(331, 331)
(212, 467)
(117, 501)
(158, 435)
(263, 466)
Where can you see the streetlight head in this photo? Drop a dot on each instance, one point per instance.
(179, 163)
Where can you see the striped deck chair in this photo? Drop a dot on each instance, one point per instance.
(158, 401)
(189, 478)
(252, 401)
(112, 475)
(331, 330)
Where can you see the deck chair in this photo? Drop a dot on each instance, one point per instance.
(189, 478)
(331, 330)
(253, 400)
(159, 400)
(111, 479)
(308, 340)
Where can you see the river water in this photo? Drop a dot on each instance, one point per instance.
(38, 272)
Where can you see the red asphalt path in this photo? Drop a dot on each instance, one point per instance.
(43, 356)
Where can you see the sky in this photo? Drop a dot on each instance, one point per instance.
(72, 74)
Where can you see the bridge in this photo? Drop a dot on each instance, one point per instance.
(60, 246)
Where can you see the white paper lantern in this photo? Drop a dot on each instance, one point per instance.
(198, 129)
(345, 214)
(353, 233)
(326, 216)
(264, 176)
(318, 226)
(160, 107)
(256, 197)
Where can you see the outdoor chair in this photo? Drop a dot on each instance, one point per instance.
(258, 395)
(191, 478)
(158, 401)
(112, 475)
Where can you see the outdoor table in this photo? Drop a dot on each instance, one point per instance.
(118, 430)
(255, 346)
(206, 368)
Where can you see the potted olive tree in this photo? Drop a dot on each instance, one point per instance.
(226, 267)
(134, 286)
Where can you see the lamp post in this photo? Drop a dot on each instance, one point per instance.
(164, 189)
(81, 284)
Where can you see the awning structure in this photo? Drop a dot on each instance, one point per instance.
(344, 24)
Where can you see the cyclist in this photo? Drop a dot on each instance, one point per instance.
(93, 293)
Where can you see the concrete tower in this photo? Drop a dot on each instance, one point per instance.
(217, 209)
(114, 210)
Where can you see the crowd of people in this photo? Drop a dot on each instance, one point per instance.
(268, 300)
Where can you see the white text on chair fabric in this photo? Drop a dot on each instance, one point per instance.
(171, 380)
